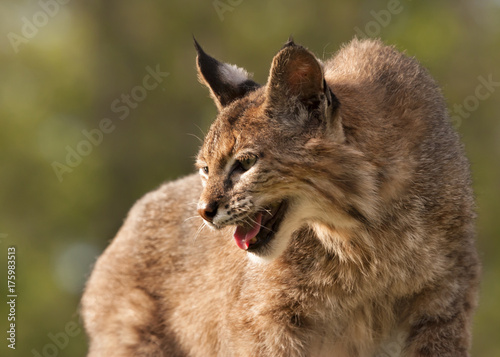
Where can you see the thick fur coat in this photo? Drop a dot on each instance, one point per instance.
(333, 215)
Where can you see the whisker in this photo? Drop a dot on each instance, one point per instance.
(200, 129)
(195, 136)
(267, 210)
(200, 228)
(189, 218)
(249, 219)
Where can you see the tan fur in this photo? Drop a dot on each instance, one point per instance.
(374, 256)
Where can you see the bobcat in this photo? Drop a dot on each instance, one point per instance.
(334, 217)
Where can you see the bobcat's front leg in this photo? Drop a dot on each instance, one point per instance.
(443, 332)
(439, 336)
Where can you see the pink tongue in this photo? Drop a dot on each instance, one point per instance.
(244, 234)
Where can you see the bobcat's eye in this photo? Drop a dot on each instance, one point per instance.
(204, 170)
(247, 163)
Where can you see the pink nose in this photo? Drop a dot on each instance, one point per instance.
(207, 210)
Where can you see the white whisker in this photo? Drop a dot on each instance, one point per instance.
(249, 219)
(267, 210)
(200, 228)
(196, 136)
(190, 218)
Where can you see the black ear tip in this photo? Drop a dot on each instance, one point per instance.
(289, 42)
(199, 50)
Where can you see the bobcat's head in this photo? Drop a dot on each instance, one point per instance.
(275, 159)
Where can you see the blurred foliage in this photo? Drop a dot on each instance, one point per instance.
(60, 76)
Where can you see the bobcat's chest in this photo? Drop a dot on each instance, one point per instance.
(393, 346)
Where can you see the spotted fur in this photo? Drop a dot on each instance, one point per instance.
(375, 255)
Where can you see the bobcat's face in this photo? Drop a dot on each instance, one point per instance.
(247, 180)
(261, 162)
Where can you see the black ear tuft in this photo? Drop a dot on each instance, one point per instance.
(226, 82)
(289, 42)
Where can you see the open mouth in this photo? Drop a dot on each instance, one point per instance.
(261, 228)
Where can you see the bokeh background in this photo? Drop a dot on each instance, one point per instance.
(71, 68)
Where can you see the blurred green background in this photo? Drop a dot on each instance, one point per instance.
(68, 68)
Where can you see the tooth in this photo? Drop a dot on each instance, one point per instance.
(253, 240)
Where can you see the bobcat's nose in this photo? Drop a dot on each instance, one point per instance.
(207, 210)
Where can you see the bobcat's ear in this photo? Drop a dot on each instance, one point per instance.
(226, 82)
(297, 74)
